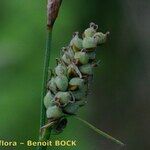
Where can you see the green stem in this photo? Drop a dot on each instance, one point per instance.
(52, 12)
(100, 132)
(45, 76)
(44, 88)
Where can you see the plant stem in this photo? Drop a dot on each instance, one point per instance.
(52, 13)
(100, 132)
(45, 77)
(46, 134)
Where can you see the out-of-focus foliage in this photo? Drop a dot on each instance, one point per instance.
(119, 100)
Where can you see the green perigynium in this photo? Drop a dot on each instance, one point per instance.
(81, 57)
(63, 98)
(89, 32)
(73, 108)
(86, 69)
(48, 100)
(60, 70)
(76, 42)
(54, 112)
(61, 82)
(68, 86)
(90, 43)
(100, 37)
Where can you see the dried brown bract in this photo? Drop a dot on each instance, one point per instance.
(52, 11)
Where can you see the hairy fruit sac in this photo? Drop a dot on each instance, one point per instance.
(63, 98)
(89, 32)
(60, 70)
(53, 112)
(52, 85)
(61, 82)
(89, 43)
(76, 42)
(100, 37)
(79, 94)
(68, 87)
(76, 83)
(73, 108)
(48, 99)
(86, 69)
(82, 57)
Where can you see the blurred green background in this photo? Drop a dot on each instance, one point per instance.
(119, 103)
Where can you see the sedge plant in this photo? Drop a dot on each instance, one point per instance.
(66, 88)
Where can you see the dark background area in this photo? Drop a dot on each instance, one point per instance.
(119, 103)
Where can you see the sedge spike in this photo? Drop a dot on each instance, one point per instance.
(68, 86)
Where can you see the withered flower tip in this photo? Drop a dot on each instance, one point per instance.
(52, 11)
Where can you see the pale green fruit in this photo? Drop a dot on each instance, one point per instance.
(53, 112)
(48, 99)
(61, 83)
(86, 69)
(101, 37)
(76, 83)
(73, 108)
(60, 70)
(89, 43)
(52, 85)
(76, 42)
(82, 57)
(63, 97)
(79, 94)
(89, 32)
